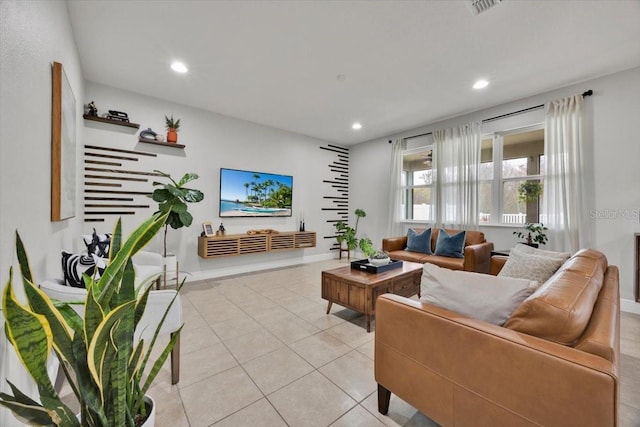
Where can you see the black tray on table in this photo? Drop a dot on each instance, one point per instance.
(365, 265)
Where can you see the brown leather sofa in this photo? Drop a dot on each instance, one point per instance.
(477, 251)
(554, 363)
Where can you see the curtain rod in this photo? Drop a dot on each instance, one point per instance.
(586, 93)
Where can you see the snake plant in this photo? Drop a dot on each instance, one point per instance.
(104, 365)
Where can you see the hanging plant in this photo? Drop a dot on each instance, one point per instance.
(529, 191)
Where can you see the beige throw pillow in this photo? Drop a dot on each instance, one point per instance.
(531, 267)
(529, 250)
(478, 296)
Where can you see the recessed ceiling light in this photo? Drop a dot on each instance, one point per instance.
(480, 84)
(356, 126)
(179, 67)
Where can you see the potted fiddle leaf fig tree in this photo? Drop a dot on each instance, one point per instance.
(172, 198)
(106, 367)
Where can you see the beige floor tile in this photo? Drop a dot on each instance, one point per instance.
(311, 401)
(353, 373)
(236, 327)
(196, 339)
(260, 414)
(222, 313)
(629, 383)
(250, 346)
(629, 416)
(353, 335)
(291, 330)
(358, 417)
(190, 315)
(320, 319)
(320, 349)
(272, 314)
(277, 369)
(217, 397)
(169, 411)
(204, 363)
(368, 349)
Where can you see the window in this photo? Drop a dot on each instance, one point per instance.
(417, 183)
(519, 159)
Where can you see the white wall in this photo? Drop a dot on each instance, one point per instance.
(611, 135)
(33, 34)
(212, 142)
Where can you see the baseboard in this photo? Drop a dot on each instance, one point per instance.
(629, 305)
(251, 268)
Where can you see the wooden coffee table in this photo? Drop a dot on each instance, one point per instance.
(358, 290)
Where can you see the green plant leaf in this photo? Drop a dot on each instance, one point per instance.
(185, 218)
(187, 177)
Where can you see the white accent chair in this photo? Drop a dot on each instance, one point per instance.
(147, 270)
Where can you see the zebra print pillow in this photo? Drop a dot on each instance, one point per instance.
(98, 244)
(74, 265)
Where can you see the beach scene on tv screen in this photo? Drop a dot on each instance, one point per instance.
(249, 193)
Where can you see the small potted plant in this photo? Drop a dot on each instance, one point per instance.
(533, 233)
(172, 128)
(379, 257)
(530, 191)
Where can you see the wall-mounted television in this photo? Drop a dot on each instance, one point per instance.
(250, 193)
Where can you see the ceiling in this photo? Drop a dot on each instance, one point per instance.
(405, 63)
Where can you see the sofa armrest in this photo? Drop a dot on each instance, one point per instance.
(447, 365)
(497, 262)
(390, 244)
(478, 257)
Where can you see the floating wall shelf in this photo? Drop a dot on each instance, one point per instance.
(165, 144)
(110, 121)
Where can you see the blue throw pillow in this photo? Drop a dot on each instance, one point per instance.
(451, 246)
(419, 242)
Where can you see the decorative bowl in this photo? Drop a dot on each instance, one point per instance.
(379, 261)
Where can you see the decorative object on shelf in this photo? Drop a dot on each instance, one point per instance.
(102, 376)
(105, 119)
(348, 234)
(530, 191)
(148, 133)
(221, 230)
(533, 233)
(173, 198)
(63, 147)
(118, 116)
(207, 228)
(172, 128)
(160, 138)
(91, 109)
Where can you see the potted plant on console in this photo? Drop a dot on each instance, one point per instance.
(533, 233)
(104, 364)
(172, 198)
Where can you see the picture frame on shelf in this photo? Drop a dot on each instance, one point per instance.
(207, 228)
(63, 146)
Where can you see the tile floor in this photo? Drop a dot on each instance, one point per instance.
(259, 350)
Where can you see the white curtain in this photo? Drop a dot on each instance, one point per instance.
(396, 214)
(457, 162)
(564, 209)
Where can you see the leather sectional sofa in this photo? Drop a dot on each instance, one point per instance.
(555, 361)
(477, 252)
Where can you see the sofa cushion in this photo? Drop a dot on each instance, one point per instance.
(419, 242)
(452, 246)
(98, 244)
(476, 295)
(75, 265)
(444, 261)
(560, 309)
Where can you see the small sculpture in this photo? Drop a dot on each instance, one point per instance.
(160, 138)
(92, 110)
(148, 134)
(221, 229)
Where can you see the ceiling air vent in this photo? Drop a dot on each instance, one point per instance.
(478, 6)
